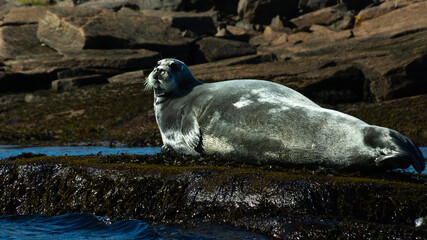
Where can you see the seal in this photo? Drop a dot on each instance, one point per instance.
(267, 123)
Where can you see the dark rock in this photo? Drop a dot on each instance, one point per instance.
(170, 189)
(358, 5)
(72, 83)
(200, 23)
(262, 11)
(313, 5)
(212, 49)
(337, 15)
(90, 28)
(226, 6)
(27, 81)
(344, 86)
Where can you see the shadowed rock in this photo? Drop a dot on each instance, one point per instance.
(261, 12)
(71, 83)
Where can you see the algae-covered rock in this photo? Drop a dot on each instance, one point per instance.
(173, 189)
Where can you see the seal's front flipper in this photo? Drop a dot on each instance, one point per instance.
(191, 131)
(166, 149)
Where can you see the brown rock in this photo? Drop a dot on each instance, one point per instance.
(327, 16)
(71, 83)
(212, 49)
(100, 60)
(129, 77)
(23, 15)
(406, 20)
(383, 8)
(89, 28)
(18, 32)
(6, 6)
(20, 40)
(235, 33)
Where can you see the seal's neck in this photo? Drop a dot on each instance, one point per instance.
(160, 96)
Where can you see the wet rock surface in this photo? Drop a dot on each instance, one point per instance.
(171, 189)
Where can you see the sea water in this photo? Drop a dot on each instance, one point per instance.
(87, 226)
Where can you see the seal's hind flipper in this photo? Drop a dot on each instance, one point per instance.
(404, 153)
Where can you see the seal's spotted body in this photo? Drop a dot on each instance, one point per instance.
(266, 122)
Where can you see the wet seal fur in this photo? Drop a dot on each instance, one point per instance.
(265, 122)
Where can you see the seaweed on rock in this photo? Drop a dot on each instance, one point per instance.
(173, 189)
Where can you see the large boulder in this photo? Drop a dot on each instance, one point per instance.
(73, 29)
(18, 33)
(262, 11)
(20, 40)
(212, 49)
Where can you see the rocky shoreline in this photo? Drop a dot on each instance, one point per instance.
(284, 203)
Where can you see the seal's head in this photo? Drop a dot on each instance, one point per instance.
(169, 76)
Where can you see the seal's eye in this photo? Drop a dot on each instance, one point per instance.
(174, 66)
(162, 72)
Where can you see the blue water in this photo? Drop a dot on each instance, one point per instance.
(14, 150)
(86, 226)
